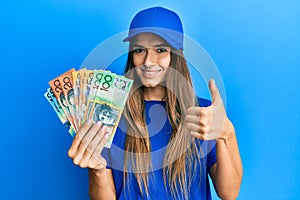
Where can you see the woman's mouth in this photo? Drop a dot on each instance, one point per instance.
(150, 73)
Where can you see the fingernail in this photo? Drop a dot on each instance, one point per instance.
(103, 128)
(213, 81)
(89, 122)
(106, 136)
(99, 123)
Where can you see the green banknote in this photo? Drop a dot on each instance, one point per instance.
(103, 109)
(95, 83)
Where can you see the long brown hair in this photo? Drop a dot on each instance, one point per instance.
(182, 153)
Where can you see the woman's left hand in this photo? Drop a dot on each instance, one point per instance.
(209, 123)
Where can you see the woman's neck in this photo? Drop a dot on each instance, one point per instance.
(154, 93)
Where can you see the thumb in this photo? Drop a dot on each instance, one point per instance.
(214, 91)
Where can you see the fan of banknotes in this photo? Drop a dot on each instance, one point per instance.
(100, 95)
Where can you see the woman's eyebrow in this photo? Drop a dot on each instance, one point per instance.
(137, 45)
(162, 45)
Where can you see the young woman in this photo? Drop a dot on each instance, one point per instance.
(168, 141)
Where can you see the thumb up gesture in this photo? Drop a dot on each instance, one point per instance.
(209, 123)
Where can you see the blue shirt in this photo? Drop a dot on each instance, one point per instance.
(160, 130)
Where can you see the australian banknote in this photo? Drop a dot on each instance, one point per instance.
(85, 94)
(56, 86)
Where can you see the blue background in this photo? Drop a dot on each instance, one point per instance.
(254, 43)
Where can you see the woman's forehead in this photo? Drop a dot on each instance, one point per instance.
(149, 40)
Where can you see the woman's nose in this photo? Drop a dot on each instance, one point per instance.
(150, 58)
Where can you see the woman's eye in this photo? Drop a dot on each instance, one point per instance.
(138, 50)
(162, 50)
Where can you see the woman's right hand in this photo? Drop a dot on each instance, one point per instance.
(87, 146)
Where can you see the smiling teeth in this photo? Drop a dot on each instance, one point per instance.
(150, 73)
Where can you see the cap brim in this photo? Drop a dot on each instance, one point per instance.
(175, 39)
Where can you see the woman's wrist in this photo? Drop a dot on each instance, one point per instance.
(97, 172)
(227, 132)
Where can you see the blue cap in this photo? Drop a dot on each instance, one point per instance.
(160, 21)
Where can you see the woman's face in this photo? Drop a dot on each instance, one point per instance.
(151, 57)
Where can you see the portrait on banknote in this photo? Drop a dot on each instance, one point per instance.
(105, 114)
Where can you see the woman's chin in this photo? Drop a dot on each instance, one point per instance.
(151, 84)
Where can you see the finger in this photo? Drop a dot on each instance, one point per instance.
(193, 127)
(103, 162)
(85, 142)
(194, 111)
(77, 140)
(99, 164)
(193, 119)
(200, 128)
(200, 136)
(200, 112)
(94, 150)
(214, 91)
(94, 143)
(202, 122)
(87, 156)
(101, 145)
(92, 133)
